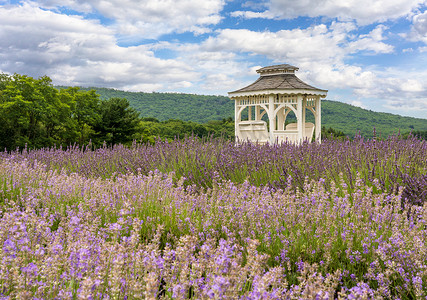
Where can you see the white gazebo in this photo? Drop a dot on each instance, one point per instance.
(275, 94)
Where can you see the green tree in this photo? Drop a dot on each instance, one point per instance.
(35, 113)
(30, 111)
(118, 122)
(330, 132)
(83, 115)
(421, 134)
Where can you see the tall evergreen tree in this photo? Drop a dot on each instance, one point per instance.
(118, 122)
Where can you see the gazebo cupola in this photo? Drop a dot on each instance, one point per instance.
(276, 93)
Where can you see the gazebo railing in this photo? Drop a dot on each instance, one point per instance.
(254, 131)
(281, 136)
(291, 133)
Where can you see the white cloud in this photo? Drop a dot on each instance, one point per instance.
(253, 14)
(339, 76)
(371, 42)
(321, 53)
(74, 51)
(314, 43)
(420, 24)
(358, 104)
(411, 104)
(150, 18)
(419, 29)
(222, 59)
(259, 4)
(321, 44)
(363, 11)
(213, 81)
(398, 93)
(222, 71)
(412, 85)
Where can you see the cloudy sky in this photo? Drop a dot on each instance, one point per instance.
(371, 54)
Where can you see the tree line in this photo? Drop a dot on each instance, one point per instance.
(36, 114)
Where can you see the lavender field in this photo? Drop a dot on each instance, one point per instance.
(214, 220)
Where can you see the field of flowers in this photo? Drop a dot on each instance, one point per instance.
(214, 220)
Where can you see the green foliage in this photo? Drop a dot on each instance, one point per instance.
(165, 106)
(117, 122)
(35, 114)
(351, 120)
(330, 132)
(84, 114)
(151, 128)
(31, 112)
(420, 134)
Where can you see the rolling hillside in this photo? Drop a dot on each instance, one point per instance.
(201, 109)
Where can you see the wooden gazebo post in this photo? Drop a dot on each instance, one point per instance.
(277, 92)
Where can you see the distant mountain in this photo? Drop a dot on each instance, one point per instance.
(201, 109)
(350, 119)
(165, 106)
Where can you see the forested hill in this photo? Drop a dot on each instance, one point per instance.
(201, 109)
(165, 106)
(350, 119)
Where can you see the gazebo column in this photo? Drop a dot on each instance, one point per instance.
(281, 119)
(299, 119)
(236, 119)
(250, 113)
(304, 111)
(318, 120)
(257, 113)
(271, 117)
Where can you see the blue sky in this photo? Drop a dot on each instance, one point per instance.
(371, 54)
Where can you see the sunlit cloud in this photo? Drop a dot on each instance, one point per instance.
(356, 49)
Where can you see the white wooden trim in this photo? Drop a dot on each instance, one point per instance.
(321, 93)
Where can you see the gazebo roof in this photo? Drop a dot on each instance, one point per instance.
(277, 68)
(279, 78)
